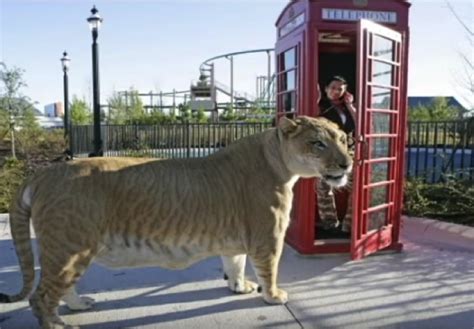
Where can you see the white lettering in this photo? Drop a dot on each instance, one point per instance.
(334, 14)
(291, 25)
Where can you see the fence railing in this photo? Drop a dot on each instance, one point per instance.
(165, 140)
(434, 149)
(437, 149)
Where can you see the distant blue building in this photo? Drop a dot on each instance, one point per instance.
(54, 110)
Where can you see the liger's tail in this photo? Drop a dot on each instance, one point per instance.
(20, 211)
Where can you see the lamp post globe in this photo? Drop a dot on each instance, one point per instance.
(94, 20)
(65, 62)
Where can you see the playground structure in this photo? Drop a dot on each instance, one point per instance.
(207, 92)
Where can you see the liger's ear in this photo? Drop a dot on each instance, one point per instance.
(287, 126)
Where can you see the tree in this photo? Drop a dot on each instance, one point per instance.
(200, 116)
(126, 109)
(465, 79)
(228, 114)
(136, 111)
(117, 109)
(15, 108)
(438, 110)
(185, 114)
(80, 112)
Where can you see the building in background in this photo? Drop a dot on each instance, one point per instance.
(54, 110)
(415, 101)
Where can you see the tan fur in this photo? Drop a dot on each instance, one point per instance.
(170, 213)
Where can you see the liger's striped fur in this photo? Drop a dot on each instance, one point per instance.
(125, 212)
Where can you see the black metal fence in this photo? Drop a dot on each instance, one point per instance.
(434, 149)
(165, 140)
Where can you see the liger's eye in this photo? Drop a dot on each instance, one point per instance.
(318, 144)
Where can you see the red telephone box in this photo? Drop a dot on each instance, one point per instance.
(365, 41)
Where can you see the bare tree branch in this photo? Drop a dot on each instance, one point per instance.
(458, 18)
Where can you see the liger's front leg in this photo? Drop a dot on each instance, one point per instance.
(234, 272)
(266, 262)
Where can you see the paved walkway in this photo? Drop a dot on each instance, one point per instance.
(429, 285)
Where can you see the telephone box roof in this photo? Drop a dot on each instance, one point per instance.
(385, 3)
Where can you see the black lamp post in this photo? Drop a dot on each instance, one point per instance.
(65, 61)
(94, 24)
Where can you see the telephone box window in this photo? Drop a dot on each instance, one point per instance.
(382, 73)
(289, 60)
(378, 195)
(380, 148)
(381, 98)
(377, 219)
(379, 172)
(381, 123)
(383, 48)
(289, 102)
(287, 81)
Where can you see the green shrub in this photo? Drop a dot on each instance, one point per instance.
(452, 201)
(36, 149)
(12, 174)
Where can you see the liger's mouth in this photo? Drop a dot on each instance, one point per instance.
(333, 177)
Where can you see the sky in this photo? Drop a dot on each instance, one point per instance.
(154, 45)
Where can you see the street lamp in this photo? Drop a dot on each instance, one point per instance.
(94, 23)
(231, 59)
(65, 61)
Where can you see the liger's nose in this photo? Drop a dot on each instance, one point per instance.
(343, 166)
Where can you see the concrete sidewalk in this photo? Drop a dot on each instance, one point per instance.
(429, 285)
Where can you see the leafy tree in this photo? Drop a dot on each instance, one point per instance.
(16, 109)
(156, 117)
(228, 114)
(135, 112)
(438, 110)
(258, 114)
(80, 112)
(200, 116)
(126, 109)
(185, 114)
(28, 120)
(117, 109)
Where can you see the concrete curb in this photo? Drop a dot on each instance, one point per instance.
(434, 230)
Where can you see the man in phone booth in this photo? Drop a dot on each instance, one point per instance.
(336, 105)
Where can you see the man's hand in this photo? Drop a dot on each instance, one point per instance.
(348, 98)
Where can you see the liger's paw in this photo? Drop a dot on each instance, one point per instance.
(277, 297)
(80, 304)
(242, 286)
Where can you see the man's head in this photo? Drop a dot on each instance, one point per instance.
(336, 88)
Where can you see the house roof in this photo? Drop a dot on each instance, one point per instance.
(414, 101)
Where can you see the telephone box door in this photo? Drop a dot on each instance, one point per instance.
(378, 142)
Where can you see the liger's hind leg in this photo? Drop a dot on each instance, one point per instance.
(234, 272)
(75, 302)
(58, 276)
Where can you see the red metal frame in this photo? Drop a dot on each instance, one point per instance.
(365, 242)
(305, 35)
